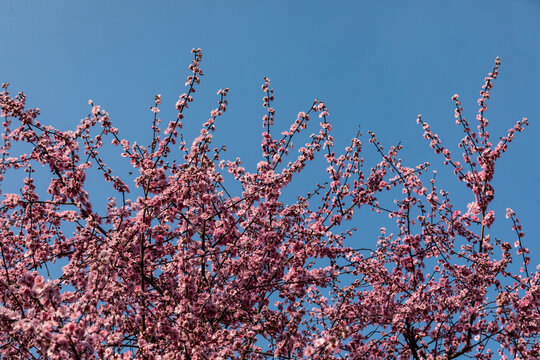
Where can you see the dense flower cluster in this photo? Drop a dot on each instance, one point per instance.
(178, 267)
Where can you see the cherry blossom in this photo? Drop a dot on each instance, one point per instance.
(179, 266)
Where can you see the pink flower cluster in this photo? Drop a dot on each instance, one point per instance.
(180, 266)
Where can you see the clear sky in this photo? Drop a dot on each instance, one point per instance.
(374, 63)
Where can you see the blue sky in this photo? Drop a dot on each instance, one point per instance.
(374, 63)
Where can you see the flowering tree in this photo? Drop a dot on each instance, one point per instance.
(178, 267)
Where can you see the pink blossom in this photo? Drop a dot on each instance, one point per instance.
(206, 258)
(473, 208)
(11, 200)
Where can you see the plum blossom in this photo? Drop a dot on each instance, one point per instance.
(203, 257)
